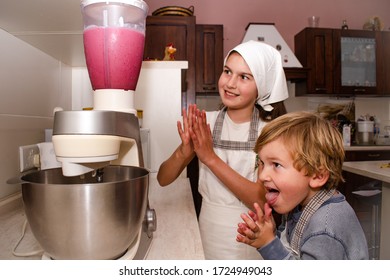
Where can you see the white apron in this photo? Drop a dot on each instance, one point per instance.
(220, 212)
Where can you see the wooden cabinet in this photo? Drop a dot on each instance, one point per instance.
(179, 30)
(367, 155)
(343, 62)
(365, 207)
(385, 61)
(209, 57)
(354, 181)
(313, 48)
(357, 66)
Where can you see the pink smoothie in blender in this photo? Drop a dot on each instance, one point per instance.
(113, 56)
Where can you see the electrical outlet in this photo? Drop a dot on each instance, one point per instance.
(28, 157)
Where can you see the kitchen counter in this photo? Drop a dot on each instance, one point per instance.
(177, 236)
(372, 169)
(368, 148)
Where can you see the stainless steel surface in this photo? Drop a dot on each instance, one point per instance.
(95, 122)
(365, 138)
(99, 123)
(78, 218)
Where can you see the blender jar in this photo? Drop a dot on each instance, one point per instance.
(114, 39)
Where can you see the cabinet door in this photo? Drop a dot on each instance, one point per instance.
(314, 49)
(209, 57)
(162, 30)
(363, 205)
(355, 62)
(367, 155)
(384, 59)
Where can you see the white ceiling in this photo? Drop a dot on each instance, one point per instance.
(54, 26)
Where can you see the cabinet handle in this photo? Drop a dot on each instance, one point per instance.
(209, 88)
(374, 155)
(359, 90)
(320, 89)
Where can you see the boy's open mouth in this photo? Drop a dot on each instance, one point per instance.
(271, 196)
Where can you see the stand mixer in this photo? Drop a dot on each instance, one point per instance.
(114, 36)
(109, 135)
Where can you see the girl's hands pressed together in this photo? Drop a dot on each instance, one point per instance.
(201, 136)
(186, 146)
(171, 168)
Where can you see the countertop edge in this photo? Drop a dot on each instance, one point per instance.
(370, 169)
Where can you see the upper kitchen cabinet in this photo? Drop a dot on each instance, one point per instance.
(357, 70)
(313, 48)
(209, 57)
(343, 62)
(385, 50)
(180, 31)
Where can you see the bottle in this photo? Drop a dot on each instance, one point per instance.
(344, 25)
(347, 135)
(140, 115)
(377, 124)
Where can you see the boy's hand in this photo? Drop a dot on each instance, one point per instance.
(258, 229)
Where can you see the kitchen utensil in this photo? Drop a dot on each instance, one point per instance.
(382, 140)
(93, 216)
(365, 132)
(174, 11)
(114, 36)
(314, 21)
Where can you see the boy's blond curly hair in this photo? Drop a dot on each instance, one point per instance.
(314, 144)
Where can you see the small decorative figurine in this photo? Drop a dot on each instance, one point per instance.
(169, 52)
(374, 24)
(345, 25)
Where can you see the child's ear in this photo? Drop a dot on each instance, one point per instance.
(318, 180)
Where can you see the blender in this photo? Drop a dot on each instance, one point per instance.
(103, 182)
(114, 37)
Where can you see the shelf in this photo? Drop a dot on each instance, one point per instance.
(296, 74)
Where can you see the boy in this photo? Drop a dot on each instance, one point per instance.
(300, 165)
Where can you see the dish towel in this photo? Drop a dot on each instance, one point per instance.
(47, 156)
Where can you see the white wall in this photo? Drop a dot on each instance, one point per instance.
(82, 93)
(289, 16)
(158, 94)
(31, 85)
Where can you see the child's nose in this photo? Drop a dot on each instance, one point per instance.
(232, 82)
(263, 174)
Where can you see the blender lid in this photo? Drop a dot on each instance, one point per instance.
(138, 3)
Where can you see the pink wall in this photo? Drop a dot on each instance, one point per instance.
(289, 16)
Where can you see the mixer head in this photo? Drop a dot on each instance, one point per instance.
(87, 140)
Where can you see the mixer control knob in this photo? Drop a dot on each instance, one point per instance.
(151, 221)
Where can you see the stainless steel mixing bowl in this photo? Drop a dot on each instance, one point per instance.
(81, 218)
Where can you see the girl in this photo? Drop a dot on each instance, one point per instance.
(252, 88)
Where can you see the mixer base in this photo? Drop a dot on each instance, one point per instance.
(142, 242)
(144, 247)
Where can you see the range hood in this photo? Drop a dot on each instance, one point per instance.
(267, 33)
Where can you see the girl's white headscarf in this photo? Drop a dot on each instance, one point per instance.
(265, 63)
